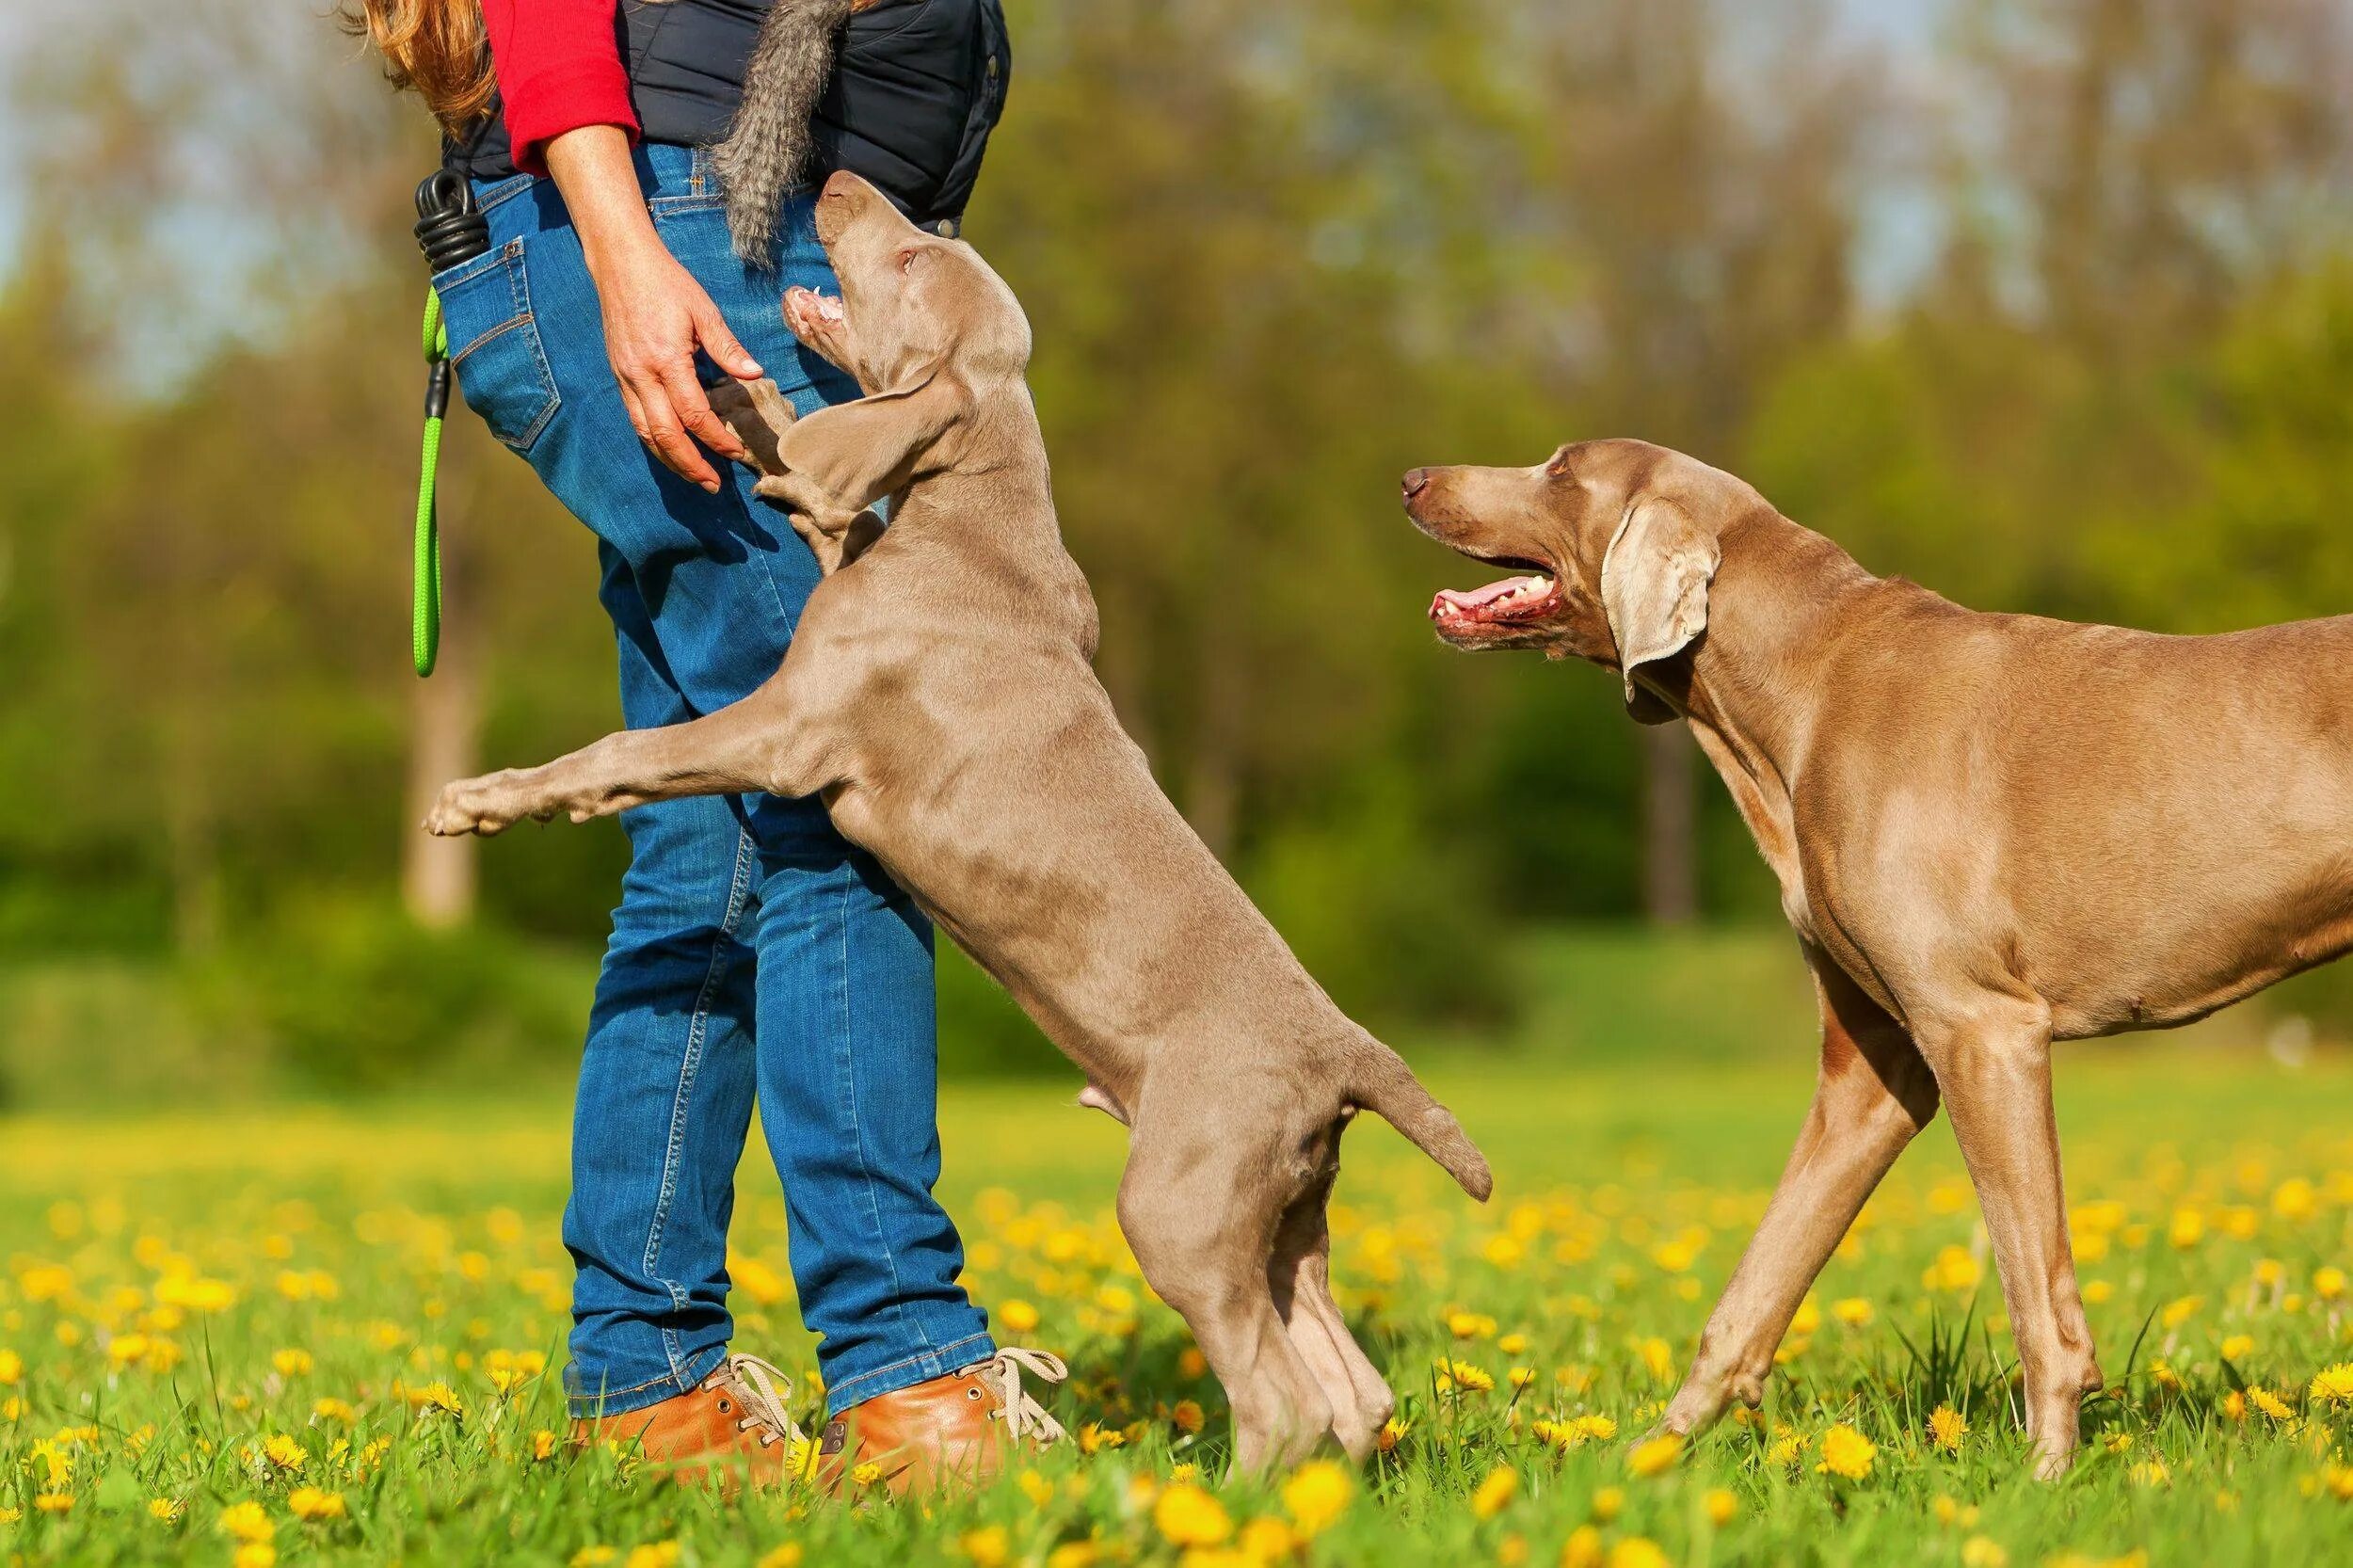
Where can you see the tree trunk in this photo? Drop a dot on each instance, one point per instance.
(437, 875)
(1671, 895)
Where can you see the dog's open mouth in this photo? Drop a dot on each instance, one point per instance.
(1514, 600)
(807, 305)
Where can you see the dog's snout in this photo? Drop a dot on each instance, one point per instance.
(1417, 482)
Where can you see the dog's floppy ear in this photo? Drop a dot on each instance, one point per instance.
(860, 452)
(1653, 589)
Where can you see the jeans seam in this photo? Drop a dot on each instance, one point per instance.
(698, 1030)
(942, 1358)
(597, 1403)
(865, 1163)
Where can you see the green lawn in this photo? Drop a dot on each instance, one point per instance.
(181, 1288)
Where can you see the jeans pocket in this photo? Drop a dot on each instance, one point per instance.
(494, 344)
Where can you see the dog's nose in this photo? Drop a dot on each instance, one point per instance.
(1417, 482)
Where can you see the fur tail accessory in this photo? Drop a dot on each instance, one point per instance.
(768, 144)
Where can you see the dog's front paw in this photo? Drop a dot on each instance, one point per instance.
(758, 413)
(479, 805)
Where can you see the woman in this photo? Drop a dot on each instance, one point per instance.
(756, 954)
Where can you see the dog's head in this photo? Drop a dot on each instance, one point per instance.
(1615, 542)
(915, 305)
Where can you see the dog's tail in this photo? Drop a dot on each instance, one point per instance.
(1385, 1084)
(768, 141)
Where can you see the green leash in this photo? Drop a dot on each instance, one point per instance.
(425, 599)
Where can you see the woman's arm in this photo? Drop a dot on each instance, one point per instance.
(655, 313)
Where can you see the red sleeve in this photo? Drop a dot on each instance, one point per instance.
(559, 68)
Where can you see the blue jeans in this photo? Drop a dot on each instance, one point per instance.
(757, 956)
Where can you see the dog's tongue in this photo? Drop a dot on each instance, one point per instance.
(1457, 599)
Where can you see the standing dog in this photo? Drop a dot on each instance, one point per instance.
(939, 697)
(1991, 832)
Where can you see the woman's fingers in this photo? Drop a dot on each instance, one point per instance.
(693, 407)
(721, 344)
(665, 433)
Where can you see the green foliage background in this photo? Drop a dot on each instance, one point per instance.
(2052, 312)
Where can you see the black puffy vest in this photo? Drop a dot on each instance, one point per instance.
(918, 84)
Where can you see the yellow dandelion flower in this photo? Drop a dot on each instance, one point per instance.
(2180, 1311)
(1658, 1357)
(1980, 1551)
(1017, 1317)
(1583, 1548)
(54, 1503)
(1094, 1438)
(2328, 1282)
(1317, 1494)
(2337, 1481)
(654, 1554)
(1854, 1311)
(332, 1409)
(12, 1368)
(1809, 1317)
(1266, 1540)
(1513, 1344)
(1608, 1503)
(1656, 1457)
(1036, 1488)
(165, 1510)
(254, 1554)
(248, 1521)
(1954, 1272)
(2238, 1346)
(1521, 1377)
(2189, 1227)
(1785, 1450)
(989, 1546)
(1946, 1428)
(1188, 1416)
(593, 1557)
(12, 1515)
(2234, 1405)
(1721, 1506)
(543, 1444)
(1469, 1325)
(291, 1363)
(1637, 1551)
(2269, 1403)
(2152, 1472)
(2332, 1385)
(866, 1474)
(1847, 1453)
(314, 1506)
(1494, 1494)
(1392, 1433)
(787, 1556)
(285, 1452)
(1599, 1428)
(1189, 1516)
(1464, 1375)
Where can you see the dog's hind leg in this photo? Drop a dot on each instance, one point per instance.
(1300, 1277)
(751, 745)
(1204, 1249)
(1874, 1096)
(1993, 1058)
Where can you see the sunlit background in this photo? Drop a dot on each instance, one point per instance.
(2046, 303)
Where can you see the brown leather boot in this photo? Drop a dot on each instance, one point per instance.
(730, 1429)
(952, 1431)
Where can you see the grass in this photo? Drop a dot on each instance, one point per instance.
(183, 1288)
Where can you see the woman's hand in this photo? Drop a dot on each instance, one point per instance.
(655, 313)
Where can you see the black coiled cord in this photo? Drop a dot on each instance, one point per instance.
(449, 227)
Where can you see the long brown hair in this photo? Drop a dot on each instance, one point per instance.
(434, 48)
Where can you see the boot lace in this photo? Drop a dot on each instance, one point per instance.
(760, 1391)
(1024, 1416)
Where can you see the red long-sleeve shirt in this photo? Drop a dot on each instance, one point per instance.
(559, 68)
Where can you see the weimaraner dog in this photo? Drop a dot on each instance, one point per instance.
(938, 696)
(1991, 832)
